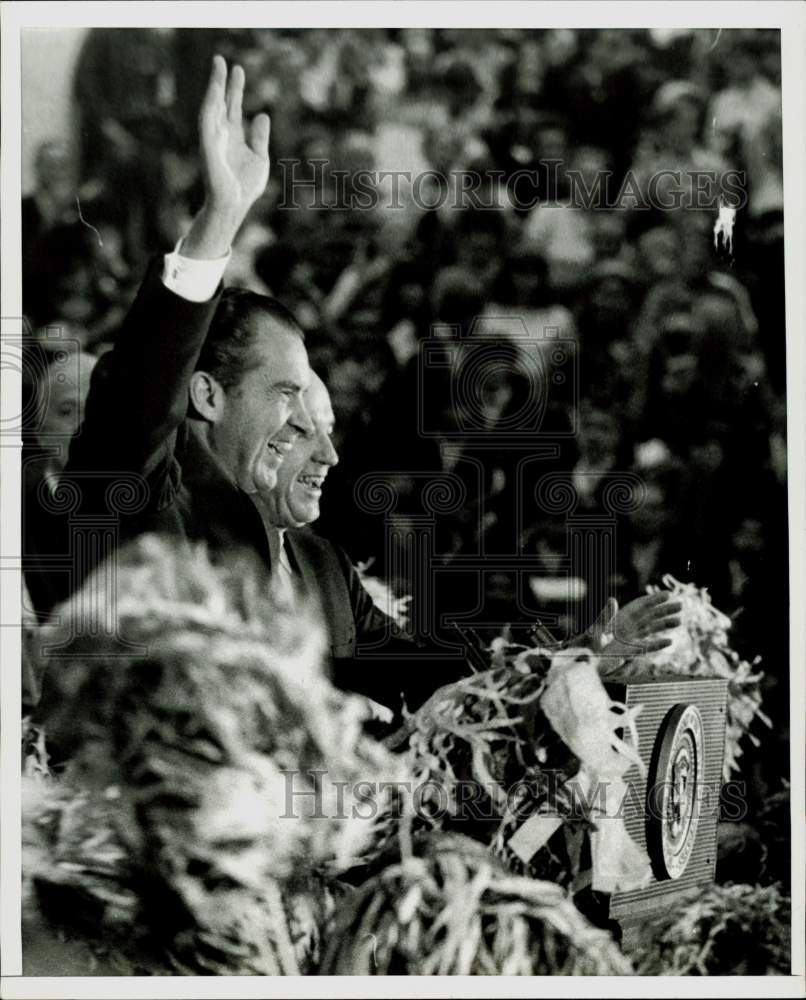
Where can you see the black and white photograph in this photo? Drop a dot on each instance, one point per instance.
(401, 538)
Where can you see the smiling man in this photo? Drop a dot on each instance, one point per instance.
(294, 501)
(191, 415)
(307, 564)
(246, 394)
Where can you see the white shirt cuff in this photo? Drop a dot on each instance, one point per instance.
(194, 280)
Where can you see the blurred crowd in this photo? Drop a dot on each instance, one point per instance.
(671, 362)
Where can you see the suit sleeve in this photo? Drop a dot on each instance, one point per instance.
(402, 671)
(138, 393)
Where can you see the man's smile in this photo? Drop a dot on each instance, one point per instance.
(311, 482)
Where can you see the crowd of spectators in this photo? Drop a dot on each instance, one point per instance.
(673, 348)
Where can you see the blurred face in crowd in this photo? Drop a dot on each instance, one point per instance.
(347, 391)
(748, 369)
(695, 233)
(66, 387)
(526, 278)
(707, 455)
(73, 295)
(54, 171)
(443, 148)
(610, 49)
(650, 519)
(529, 79)
(741, 66)
(770, 65)
(482, 388)
(748, 539)
(681, 127)
(354, 57)
(680, 374)
(255, 422)
(418, 42)
(553, 144)
(478, 252)
(496, 396)
(721, 316)
(599, 434)
(411, 298)
(295, 499)
(659, 251)
(559, 44)
(355, 153)
(591, 162)
(611, 299)
(608, 233)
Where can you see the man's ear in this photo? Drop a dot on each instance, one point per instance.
(207, 396)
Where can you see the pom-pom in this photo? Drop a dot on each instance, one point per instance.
(452, 909)
(737, 930)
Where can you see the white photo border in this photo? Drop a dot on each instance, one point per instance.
(790, 18)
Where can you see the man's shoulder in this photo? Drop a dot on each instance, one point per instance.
(320, 551)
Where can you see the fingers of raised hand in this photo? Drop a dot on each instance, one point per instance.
(234, 96)
(213, 104)
(259, 135)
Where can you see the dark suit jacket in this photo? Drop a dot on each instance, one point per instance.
(139, 465)
(367, 655)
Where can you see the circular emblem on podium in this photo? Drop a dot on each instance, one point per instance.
(675, 787)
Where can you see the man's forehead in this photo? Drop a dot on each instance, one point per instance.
(317, 400)
(282, 355)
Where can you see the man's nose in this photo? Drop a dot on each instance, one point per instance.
(325, 453)
(299, 419)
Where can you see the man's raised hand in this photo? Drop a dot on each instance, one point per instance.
(235, 164)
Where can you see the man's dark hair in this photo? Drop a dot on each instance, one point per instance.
(228, 350)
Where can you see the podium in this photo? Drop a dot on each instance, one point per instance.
(673, 810)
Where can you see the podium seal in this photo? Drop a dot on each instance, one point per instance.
(675, 790)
